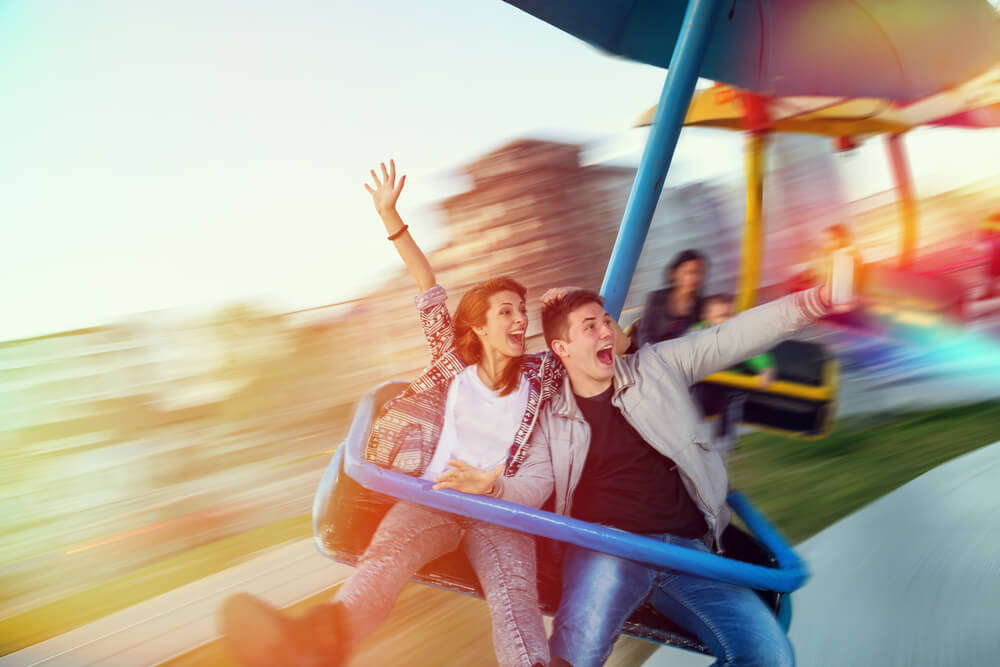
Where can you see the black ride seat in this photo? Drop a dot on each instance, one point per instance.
(802, 363)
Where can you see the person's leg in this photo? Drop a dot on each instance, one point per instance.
(504, 560)
(409, 536)
(259, 635)
(599, 593)
(730, 417)
(732, 621)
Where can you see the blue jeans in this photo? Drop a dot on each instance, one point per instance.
(601, 591)
(412, 535)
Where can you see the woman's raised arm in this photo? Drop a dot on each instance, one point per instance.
(384, 195)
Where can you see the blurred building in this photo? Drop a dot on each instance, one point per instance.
(536, 213)
(70, 389)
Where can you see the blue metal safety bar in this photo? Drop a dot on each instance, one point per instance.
(789, 576)
(685, 65)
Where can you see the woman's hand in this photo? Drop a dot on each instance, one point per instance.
(384, 195)
(386, 191)
(468, 479)
(555, 294)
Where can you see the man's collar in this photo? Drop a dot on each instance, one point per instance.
(563, 403)
(566, 407)
(624, 375)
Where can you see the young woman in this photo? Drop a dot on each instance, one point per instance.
(671, 311)
(465, 425)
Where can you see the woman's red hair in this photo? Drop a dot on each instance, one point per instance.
(471, 313)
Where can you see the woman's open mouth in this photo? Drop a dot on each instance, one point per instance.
(516, 339)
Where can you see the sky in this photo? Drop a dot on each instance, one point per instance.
(190, 154)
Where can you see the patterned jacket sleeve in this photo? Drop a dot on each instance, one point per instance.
(552, 375)
(436, 321)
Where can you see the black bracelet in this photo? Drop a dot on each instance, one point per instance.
(399, 233)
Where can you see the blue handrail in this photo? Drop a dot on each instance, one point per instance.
(789, 576)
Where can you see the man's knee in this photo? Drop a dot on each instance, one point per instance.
(580, 643)
(782, 654)
(599, 593)
(758, 651)
(606, 582)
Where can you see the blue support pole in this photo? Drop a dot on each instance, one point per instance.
(685, 65)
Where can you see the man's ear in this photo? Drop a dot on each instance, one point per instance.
(559, 347)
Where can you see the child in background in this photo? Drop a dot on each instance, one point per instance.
(726, 401)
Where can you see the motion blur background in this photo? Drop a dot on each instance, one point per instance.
(196, 290)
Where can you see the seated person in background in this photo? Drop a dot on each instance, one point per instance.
(671, 311)
(833, 238)
(836, 237)
(728, 402)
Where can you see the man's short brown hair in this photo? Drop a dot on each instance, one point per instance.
(555, 317)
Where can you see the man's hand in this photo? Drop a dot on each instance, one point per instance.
(468, 479)
(826, 291)
(826, 294)
(386, 191)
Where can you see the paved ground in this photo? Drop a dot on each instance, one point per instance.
(912, 580)
(167, 625)
(427, 627)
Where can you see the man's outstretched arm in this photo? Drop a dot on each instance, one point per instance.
(702, 353)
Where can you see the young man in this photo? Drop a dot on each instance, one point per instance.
(630, 449)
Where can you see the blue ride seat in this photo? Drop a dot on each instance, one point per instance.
(346, 513)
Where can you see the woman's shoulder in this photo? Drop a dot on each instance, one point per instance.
(660, 294)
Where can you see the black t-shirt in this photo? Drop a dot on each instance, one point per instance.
(628, 484)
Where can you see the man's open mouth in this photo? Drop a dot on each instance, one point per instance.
(606, 356)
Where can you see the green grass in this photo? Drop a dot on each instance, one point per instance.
(59, 616)
(805, 486)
